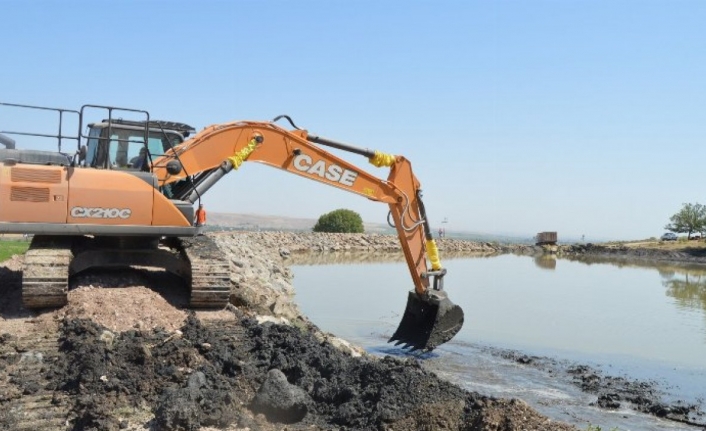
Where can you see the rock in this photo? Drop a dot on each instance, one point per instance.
(177, 412)
(196, 381)
(279, 400)
(179, 409)
(609, 401)
(107, 337)
(271, 319)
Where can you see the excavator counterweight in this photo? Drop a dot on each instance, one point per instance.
(126, 197)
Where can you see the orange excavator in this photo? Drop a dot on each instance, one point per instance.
(126, 197)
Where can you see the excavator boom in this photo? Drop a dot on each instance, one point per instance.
(430, 318)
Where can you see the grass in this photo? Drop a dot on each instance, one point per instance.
(10, 248)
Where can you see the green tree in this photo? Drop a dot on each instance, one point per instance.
(340, 220)
(691, 218)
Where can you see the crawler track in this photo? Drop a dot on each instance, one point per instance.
(210, 273)
(45, 276)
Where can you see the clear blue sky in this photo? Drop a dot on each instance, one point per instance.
(584, 117)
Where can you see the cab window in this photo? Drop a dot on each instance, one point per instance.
(123, 147)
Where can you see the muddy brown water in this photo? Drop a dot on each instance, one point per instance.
(532, 324)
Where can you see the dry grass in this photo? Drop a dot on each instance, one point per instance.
(681, 244)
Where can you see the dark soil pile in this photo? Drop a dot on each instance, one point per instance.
(243, 374)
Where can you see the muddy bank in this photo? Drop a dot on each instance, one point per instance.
(612, 392)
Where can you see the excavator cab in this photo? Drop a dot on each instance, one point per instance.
(131, 145)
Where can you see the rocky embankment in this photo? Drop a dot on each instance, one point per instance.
(298, 242)
(621, 252)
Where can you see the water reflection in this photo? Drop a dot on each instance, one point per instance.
(347, 257)
(631, 262)
(685, 281)
(358, 257)
(545, 261)
(689, 291)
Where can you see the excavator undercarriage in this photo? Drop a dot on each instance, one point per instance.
(51, 260)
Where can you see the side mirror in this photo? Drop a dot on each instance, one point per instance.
(173, 167)
(82, 153)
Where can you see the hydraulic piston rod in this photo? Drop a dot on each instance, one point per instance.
(340, 145)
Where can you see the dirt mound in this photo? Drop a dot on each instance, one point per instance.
(123, 309)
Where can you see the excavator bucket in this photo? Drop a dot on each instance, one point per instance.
(428, 322)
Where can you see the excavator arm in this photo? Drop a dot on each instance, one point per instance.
(430, 318)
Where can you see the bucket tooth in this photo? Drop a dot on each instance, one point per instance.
(428, 321)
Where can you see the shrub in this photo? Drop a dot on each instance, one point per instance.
(340, 221)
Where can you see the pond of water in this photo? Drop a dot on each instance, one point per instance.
(638, 320)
